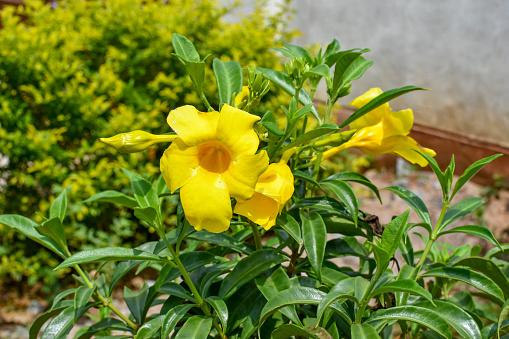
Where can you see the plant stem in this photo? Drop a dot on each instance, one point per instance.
(328, 112)
(256, 236)
(206, 102)
(365, 298)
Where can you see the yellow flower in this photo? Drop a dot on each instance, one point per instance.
(243, 95)
(382, 131)
(212, 160)
(136, 141)
(273, 190)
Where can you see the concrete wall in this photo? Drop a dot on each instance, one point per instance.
(457, 48)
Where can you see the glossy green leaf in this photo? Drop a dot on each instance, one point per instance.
(461, 209)
(306, 177)
(173, 317)
(247, 269)
(434, 166)
(476, 230)
(314, 235)
(283, 81)
(378, 101)
(269, 122)
(60, 326)
(331, 297)
(363, 331)
(270, 286)
(61, 296)
(59, 206)
(346, 194)
(220, 309)
(28, 228)
(413, 201)
(136, 302)
(491, 331)
(343, 226)
(196, 327)
(54, 229)
(331, 277)
(325, 204)
(312, 135)
(504, 314)
(404, 285)
(107, 324)
(43, 318)
(320, 70)
(184, 48)
(428, 318)
(147, 214)
(286, 331)
(300, 113)
(81, 298)
(144, 192)
(114, 197)
(358, 178)
(108, 254)
(175, 289)
(228, 78)
(215, 272)
(497, 251)
(382, 258)
(471, 171)
(150, 328)
(479, 281)
(346, 246)
(345, 60)
(196, 71)
(331, 49)
(394, 232)
(299, 52)
(245, 313)
(221, 239)
(459, 319)
(288, 223)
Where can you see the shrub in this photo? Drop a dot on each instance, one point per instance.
(86, 69)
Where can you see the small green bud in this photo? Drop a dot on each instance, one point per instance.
(136, 141)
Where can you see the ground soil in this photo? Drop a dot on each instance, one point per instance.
(17, 311)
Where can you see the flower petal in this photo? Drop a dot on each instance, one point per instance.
(398, 123)
(373, 117)
(235, 131)
(277, 182)
(243, 174)
(193, 126)
(206, 202)
(261, 209)
(178, 164)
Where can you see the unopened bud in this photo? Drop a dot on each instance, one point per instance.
(336, 139)
(136, 141)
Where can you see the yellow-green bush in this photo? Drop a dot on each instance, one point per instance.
(90, 69)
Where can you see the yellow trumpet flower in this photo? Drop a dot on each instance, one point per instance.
(382, 131)
(136, 141)
(212, 159)
(273, 190)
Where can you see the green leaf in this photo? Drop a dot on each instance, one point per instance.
(404, 285)
(320, 70)
(354, 71)
(221, 310)
(61, 296)
(468, 276)
(144, 192)
(346, 246)
(323, 203)
(147, 214)
(306, 177)
(346, 194)
(221, 239)
(491, 331)
(109, 254)
(461, 209)
(363, 331)
(448, 176)
(136, 302)
(331, 277)
(196, 327)
(28, 228)
(428, 318)
(413, 201)
(378, 101)
(358, 178)
(459, 319)
(196, 71)
(288, 223)
(175, 289)
(488, 268)
(434, 166)
(173, 317)
(81, 298)
(107, 324)
(345, 60)
(150, 328)
(393, 233)
(331, 297)
(54, 229)
(471, 171)
(228, 78)
(332, 49)
(291, 331)
(382, 258)
(247, 269)
(314, 235)
(299, 52)
(59, 206)
(497, 251)
(311, 135)
(43, 318)
(300, 113)
(114, 197)
(270, 286)
(343, 226)
(283, 81)
(184, 48)
(504, 314)
(269, 122)
(60, 326)
(476, 230)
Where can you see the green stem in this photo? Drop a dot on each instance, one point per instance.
(365, 298)
(199, 300)
(206, 102)
(328, 112)
(256, 236)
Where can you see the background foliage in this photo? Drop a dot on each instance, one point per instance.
(90, 69)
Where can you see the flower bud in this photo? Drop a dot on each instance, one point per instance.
(136, 141)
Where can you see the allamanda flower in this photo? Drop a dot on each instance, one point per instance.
(382, 131)
(273, 190)
(212, 160)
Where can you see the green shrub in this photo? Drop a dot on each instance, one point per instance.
(91, 69)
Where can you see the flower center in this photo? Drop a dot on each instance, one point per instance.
(214, 157)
